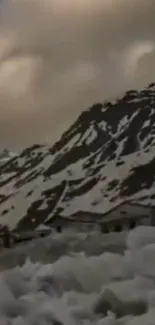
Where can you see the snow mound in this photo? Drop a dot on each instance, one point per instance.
(66, 290)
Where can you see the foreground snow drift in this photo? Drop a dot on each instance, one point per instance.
(67, 290)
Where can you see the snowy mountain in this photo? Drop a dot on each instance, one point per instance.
(104, 158)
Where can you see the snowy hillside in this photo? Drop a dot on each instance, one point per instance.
(107, 156)
(6, 155)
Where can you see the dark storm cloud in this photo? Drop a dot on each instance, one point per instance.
(57, 57)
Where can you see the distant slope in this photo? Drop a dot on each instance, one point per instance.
(6, 155)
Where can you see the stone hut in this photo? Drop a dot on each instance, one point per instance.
(126, 216)
(80, 220)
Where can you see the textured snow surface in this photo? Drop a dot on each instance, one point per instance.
(63, 287)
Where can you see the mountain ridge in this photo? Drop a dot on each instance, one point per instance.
(6, 155)
(105, 157)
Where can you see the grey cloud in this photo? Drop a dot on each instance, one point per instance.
(57, 57)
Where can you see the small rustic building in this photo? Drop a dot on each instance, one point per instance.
(81, 220)
(125, 216)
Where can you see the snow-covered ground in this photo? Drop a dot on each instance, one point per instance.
(65, 275)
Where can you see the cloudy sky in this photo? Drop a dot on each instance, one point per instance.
(59, 56)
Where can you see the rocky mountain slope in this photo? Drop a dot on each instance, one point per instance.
(105, 157)
(6, 155)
